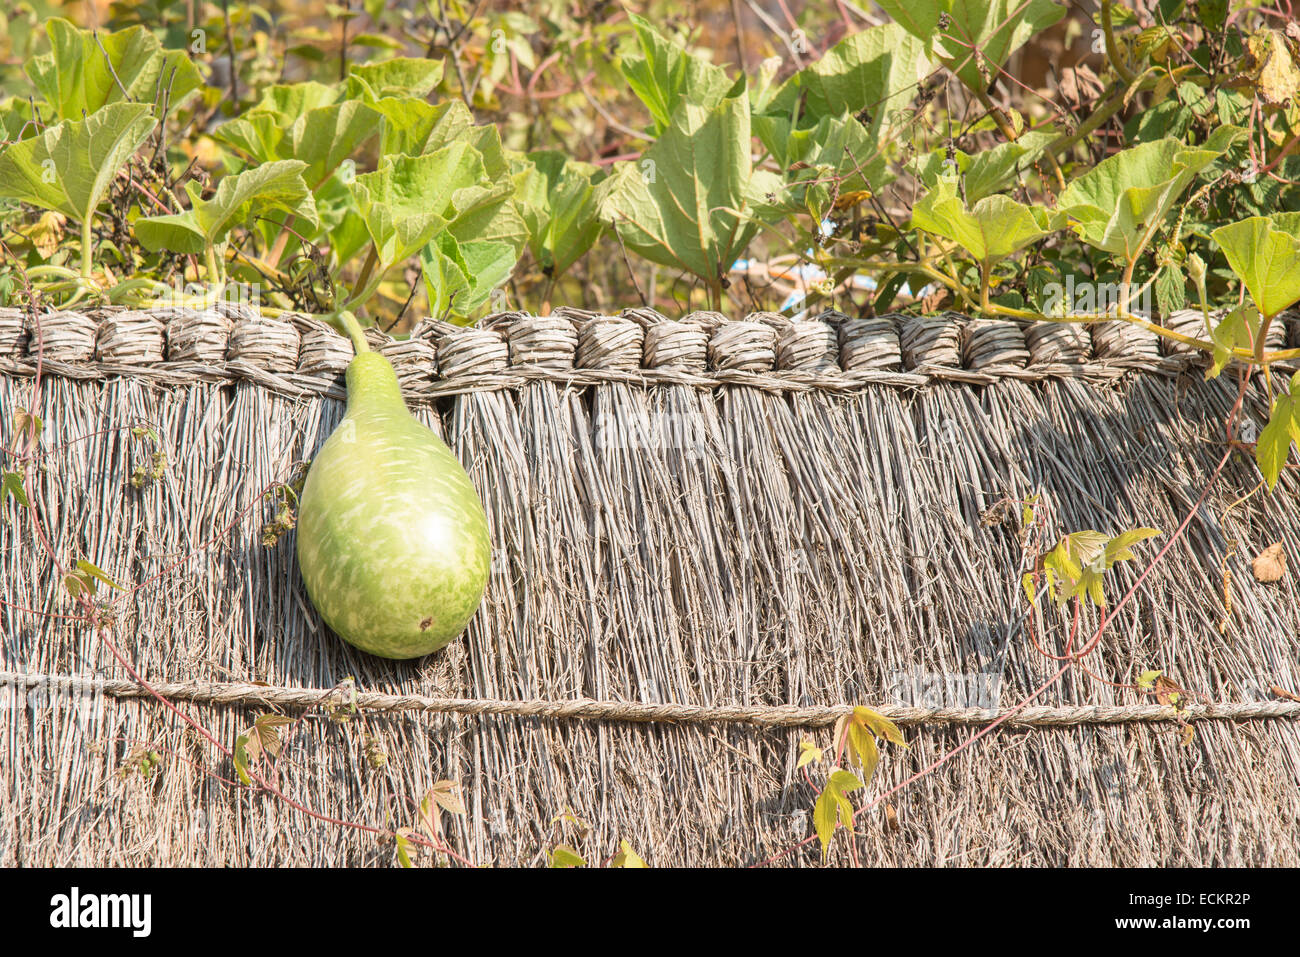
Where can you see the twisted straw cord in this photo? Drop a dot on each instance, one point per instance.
(780, 716)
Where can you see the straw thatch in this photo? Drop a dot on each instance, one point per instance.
(708, 536)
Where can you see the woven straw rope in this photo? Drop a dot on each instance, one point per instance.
(780, 716)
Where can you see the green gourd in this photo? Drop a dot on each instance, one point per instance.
(392, 538)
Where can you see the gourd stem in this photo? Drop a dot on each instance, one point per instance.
(87, 246)
(353, 329)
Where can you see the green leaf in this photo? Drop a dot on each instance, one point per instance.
(1264, 252)
(239, 198)
(1124, 199)
(880, 726)
(12, 484)
(76, 78)
(1171, 289)
(994, 228)
(841, 111)
(1118, 548)
(410, 123)
(878, 70)
(460, 277)
(288, 101)
(397, 77)
(446, 274)
(663, 76)
(70, 167)
(837, 146)
(1237, 330)
(808, 753)
(862, 749)
(557, 198)
(322, 138)
(89, 570)
(683, 204)
(995, 27)
(409, 199)
(1273, 447)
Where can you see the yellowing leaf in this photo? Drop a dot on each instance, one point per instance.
(880, 726)
(402, 837)
(1279, 79)
(626, 857)
(808, 753)
(833, 807)
(1074, 568)
(565, 856)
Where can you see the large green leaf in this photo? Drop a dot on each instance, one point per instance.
(460, 277)
(400, 76)
(557, 198)
(410, 124)
(70, 167)
(986, 172)
(239, 198)
(682, 205)
(1264, 252)
(1282, 431)
(409, 199)
(663, 76)
(322, 137)
(837, 145)
(878, 70)
(77, 77)
(291, 100)
(1123, 199)
(992, 229)
(997, 28)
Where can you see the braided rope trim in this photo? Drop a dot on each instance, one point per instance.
(175, 374)
(781, 716)
(298, 355)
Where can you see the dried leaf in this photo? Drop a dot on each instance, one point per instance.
(447, 794)
(1270, 564)
(1167, 692)
(891, 818)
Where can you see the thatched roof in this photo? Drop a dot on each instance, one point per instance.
(709, 537)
